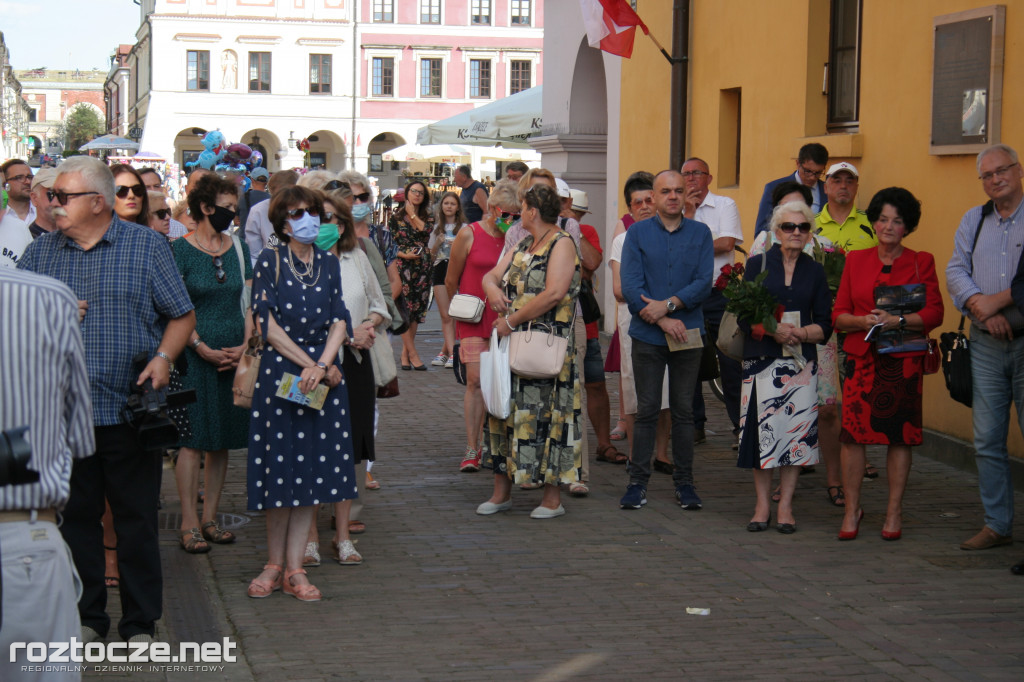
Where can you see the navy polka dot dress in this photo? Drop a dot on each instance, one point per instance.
(298, 456)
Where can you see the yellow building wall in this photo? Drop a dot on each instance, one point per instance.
(774, 53)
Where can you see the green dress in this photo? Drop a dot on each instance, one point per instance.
(216, 423)
(545, 422)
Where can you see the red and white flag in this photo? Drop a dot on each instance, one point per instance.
(611, 25)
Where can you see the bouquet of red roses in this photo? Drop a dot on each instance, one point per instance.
(749, 300)
(753, 304)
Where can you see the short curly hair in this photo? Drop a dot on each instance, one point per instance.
(545, 200)
(280, 203)
(207, 189)
(906, 204)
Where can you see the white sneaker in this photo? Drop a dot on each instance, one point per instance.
(439, 360)
(488, 508)
(546, 513)
(450, 362)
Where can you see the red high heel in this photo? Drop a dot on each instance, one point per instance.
(852, 534)
(894, 535)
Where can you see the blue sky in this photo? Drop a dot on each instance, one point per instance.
(66, 34)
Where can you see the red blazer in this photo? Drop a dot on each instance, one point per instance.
(856, 294)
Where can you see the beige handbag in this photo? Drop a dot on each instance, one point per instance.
(731, 337)
(537, 353)
(248, 370)
(466, 308)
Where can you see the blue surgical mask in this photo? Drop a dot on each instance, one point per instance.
(361, 212)
(306, 228)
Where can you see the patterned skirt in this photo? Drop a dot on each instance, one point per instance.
(778, 414)
(882, 400)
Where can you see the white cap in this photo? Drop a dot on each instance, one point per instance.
(563, 188)
(579, 200)
(842, 166)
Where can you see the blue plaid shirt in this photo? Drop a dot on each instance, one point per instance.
(132, 286)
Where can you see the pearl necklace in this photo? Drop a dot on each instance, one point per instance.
(307, 273)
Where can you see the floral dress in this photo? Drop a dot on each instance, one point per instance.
(415, 272)
(544, 425)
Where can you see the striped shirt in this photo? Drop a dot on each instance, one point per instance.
(989, 267)
(132, 286)
(44, 385)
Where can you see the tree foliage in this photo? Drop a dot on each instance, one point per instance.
(81, 125)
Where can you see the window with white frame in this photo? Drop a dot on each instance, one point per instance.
(383, 77)
(480, 78)
(520, 12)
(520, 75)
(384, 11)
(431, 76)
(430, 11)
(480, 12)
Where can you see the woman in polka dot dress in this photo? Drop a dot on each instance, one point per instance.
(298, 457)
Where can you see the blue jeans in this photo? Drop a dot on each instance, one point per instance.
(649, 363)
(998, 371)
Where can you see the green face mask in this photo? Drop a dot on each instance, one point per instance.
(503, 225)
(328, 237)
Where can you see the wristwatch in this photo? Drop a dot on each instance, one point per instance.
(672, 307)
(903, 322)
(322, 366)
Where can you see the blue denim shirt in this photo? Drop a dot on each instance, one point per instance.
(133, 288)
(658, 264)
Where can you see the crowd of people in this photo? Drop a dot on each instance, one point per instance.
(297, 266)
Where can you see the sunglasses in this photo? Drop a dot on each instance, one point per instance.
(336, 184)
(329, 216)
(162, 213)
(62, 197)
(506, 216)
(121, 191)
(220, 274)
(789, 227)
(299, 212)
(365, 196)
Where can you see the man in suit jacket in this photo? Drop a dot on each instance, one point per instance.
(810, 163)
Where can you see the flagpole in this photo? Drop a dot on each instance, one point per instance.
(670, 58)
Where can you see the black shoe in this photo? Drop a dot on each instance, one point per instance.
(1017, 568)
(699, 436)
(759, 526)
(663, 467)
(786, 528)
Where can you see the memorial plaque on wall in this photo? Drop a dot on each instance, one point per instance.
(967, 80)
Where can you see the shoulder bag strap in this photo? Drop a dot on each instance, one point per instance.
(238, 252)
(985, 210)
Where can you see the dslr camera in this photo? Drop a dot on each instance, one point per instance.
(146, 410)
(15, 452)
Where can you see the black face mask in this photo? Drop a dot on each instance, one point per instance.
(221, 218)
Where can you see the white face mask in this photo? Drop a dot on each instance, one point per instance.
(306, 228)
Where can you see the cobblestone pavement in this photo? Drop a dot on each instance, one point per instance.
(601, 593)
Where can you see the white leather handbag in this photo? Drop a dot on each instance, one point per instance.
(466, 308)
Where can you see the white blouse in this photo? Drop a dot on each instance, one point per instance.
(360, 289)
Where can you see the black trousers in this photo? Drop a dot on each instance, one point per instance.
(130, 479)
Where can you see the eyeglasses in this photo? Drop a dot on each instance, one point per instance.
(364, 197)
(121, 191)
(220, 274)
(810, 172)
(336, 184)
(649, 201)
(694, 173)
(997, 173)
(62, 197)
(162, 213)
(789, 227)
(506, 216)
(417, 192)
(299, 212)
(19, 178)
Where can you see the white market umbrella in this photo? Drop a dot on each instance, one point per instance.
(445, 153)
(110, 142)
(509, 121)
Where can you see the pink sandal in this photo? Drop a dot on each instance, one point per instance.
(261, 589)
(306, 592)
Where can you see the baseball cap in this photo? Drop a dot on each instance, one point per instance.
(579, 200)
(563, 188)
(843, 166)
(259, 173)
(44, 177)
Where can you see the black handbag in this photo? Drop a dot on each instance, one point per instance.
(956, 365)
(401, 325)
(457, 366)
(588, 302)
(955, 347)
